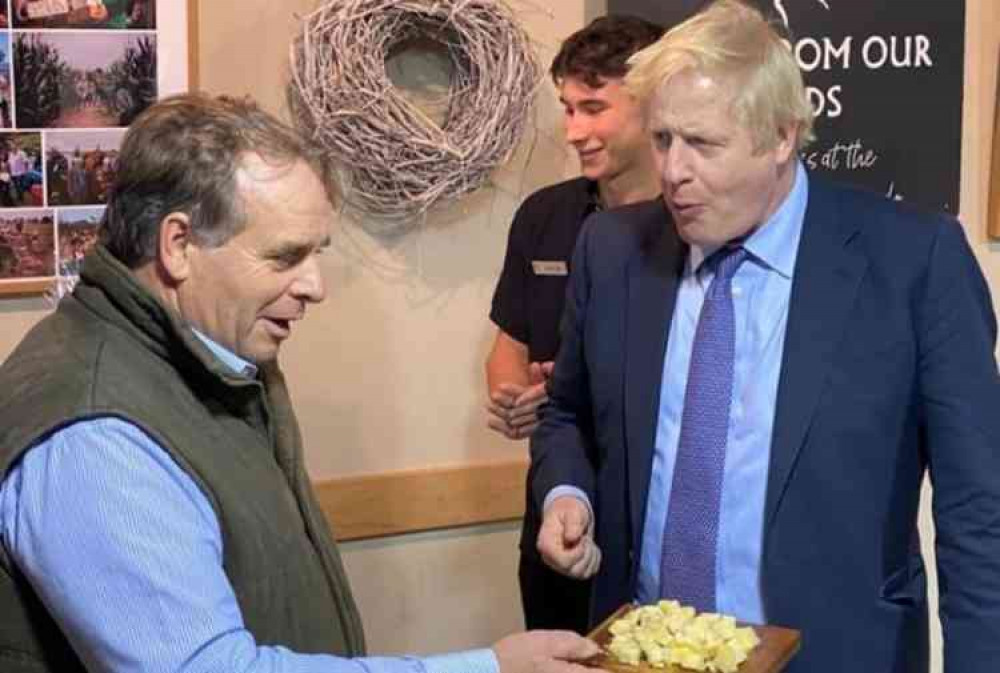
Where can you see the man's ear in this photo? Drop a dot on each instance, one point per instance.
(174, 247)
(788, 138)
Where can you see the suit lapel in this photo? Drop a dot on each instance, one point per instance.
(653, 276)
(828, 272)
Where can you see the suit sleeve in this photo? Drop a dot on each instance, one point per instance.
(559, 447)
(960, 389)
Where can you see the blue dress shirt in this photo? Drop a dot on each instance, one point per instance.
(761, 290)
(126, 552)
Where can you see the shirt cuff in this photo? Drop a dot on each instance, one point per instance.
(560, 491)
(472, 661)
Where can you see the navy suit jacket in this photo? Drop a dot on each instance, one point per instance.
(888, 372)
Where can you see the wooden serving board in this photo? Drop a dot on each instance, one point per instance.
(776, 648)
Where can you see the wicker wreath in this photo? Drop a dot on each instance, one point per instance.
(398, 162)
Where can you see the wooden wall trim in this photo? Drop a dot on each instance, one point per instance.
(16, 287)
(409, 501)
(993, 208)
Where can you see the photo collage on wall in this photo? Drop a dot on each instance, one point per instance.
(73, 75)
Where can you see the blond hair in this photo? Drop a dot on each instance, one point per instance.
(731, 43)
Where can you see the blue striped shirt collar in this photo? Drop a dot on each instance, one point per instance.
(231, 360)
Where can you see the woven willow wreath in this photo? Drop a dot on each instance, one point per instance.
(398, 162)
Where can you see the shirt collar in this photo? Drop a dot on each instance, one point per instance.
(231, 360)
(775, 245)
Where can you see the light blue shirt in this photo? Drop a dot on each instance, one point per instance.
(126, 552)
(231, 360)
(761, 290)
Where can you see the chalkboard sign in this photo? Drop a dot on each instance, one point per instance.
(885, 81)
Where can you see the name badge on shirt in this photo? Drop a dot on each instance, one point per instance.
(544, 267)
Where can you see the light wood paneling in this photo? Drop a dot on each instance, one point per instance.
(994, 204)
(17, 287)
(409, 501)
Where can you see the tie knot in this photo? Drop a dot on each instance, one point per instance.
(725, 261)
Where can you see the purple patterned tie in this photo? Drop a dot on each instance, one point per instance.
(690, 535)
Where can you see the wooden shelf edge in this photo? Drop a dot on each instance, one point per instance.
(409, 501)
(16, 287)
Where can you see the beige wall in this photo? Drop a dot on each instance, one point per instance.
(387, 374)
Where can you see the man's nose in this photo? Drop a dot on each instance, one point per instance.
(577, 128)
(675, 165)
(309, 285)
